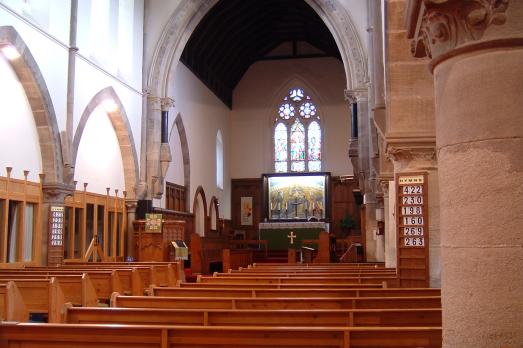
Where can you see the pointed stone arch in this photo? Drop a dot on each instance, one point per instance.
(184, 144)
(214, 214)
(32, 80)
(123, 132)
(188, 14)
(200, 211)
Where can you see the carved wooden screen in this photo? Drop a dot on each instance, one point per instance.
(175, 198)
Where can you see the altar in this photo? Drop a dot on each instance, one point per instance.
(280, 234)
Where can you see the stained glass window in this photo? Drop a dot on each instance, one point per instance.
(286, 111)
(298, 122)
(307, 109)
(280, 148)
(297, 141)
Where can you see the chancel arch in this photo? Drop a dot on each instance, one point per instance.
(108, 102)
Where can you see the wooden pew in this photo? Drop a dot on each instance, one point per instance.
(133, 280)
(134, 336)
(104, 282)
(12, 306)
(318, 265)
(215, 249)
(47, 295)
(305, 274)
(304, 270)
(301, 293)
(280, 286)
(275, 303)
(206, 250)
(235, 258)
(390, 280)
(215, 317)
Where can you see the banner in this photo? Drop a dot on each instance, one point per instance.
(246, 211)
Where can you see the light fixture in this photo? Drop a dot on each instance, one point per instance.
(109, 105)
(10, 52)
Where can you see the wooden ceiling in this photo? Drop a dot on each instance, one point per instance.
(236, 33)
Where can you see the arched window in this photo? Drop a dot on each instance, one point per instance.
(297, 134)
(219, 160)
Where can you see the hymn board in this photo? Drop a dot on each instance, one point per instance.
(55, 243)
(412, 229)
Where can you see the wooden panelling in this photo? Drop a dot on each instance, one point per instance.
(246, 188)
(343, 203)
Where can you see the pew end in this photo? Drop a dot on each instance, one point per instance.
(15, 308)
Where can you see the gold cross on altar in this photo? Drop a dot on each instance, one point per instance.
(292, 236)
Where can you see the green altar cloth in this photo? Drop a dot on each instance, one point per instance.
(277, 235)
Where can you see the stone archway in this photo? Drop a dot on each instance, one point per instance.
(39, 99)
(200, 211)
(214, 214)
(188, 14)
(123, 132)
(178, 122)
(181, 25)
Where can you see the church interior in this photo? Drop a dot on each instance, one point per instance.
(262, 173)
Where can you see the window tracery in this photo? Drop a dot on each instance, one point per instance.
(297, 134)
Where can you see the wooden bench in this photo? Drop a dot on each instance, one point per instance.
(301, 293)
(304, 270)
(275, 303)
(305, 274)
(215, 249)
(235, 258)
(390, 280)
(280, 286)
(318, 265)
(215, 317)
(47, 296)
(133, 280)
(134, 336)
(103, 282)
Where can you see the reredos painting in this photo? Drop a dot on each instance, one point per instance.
(296, 197)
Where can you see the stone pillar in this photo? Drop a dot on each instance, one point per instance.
(53, 194)
(363, 168)
(391, 256)
(421, 157)
(476, 48)
(130, 207)
(389, 239)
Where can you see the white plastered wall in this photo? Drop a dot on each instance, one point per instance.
(99, 162)
(257, 97)
(20, 148)
(47, 39)
(203, 114)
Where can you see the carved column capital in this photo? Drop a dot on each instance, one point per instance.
(56, 192)
(439, 26)
(356, 95)
(166, 103)
(405, 158)
(130, 205)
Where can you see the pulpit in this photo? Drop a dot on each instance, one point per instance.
(155, 246)
(289, 235)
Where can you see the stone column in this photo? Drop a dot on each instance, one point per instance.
(363, 166)
(130, 207)
(476, 48)
(53, 194)
(421, 157)
(390, 238)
